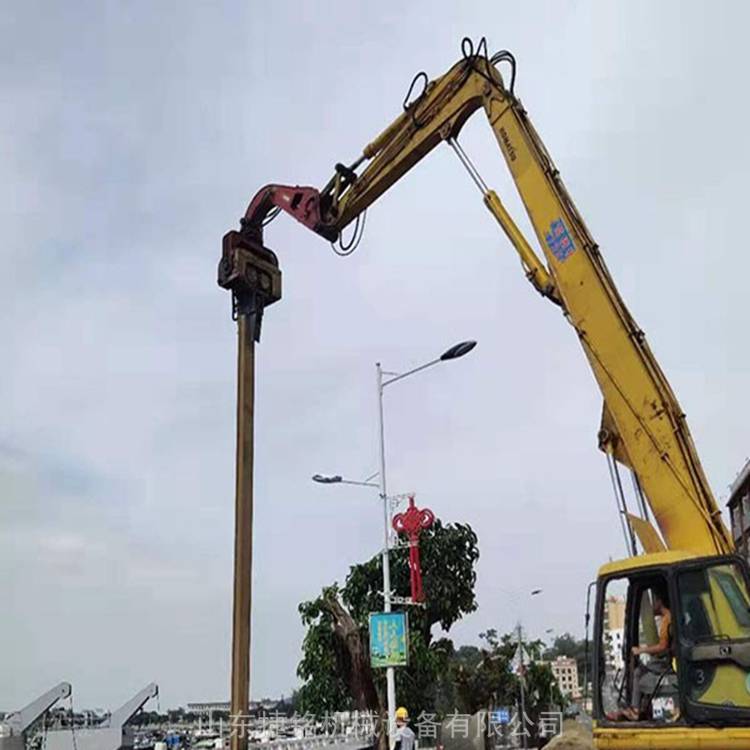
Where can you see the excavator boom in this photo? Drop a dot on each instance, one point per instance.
(644, 426)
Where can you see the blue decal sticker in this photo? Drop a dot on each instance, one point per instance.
(559, 240)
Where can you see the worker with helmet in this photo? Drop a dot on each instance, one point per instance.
(405, 737)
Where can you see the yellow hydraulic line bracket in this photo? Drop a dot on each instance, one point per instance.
(647, 534)
(535, 271)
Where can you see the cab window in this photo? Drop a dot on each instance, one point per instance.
(714, 625)
(613, 682)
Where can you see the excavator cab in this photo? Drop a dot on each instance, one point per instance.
(704, 678)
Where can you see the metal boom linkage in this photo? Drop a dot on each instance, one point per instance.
(113, 734)
(14, 728)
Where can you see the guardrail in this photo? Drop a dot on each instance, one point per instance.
(316, 741)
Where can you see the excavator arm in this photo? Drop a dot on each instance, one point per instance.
(643, 426)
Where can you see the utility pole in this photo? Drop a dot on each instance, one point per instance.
(522, 682)
(251, 272)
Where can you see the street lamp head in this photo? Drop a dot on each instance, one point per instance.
(323, 479)
(458, 350)
(536, 592)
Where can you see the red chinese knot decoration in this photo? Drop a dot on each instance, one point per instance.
(411, 523)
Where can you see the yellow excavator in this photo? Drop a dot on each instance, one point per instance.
(701, 697)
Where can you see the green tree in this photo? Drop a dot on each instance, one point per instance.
(491, 680)
(335, 666)
(542, 694)
(487, 680)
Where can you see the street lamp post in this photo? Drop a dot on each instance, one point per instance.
(524, 738)
(390, 674)
(456, 351)
(338, 479)
(459, 350)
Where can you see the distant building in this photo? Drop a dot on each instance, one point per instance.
(614, 631)
(739, 510)
(565, 670)
(209, 708)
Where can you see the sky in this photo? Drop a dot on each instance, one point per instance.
(133, 134)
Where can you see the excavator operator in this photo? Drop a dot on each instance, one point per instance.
(646, 677)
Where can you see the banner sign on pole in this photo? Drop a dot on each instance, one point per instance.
(389, 639)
